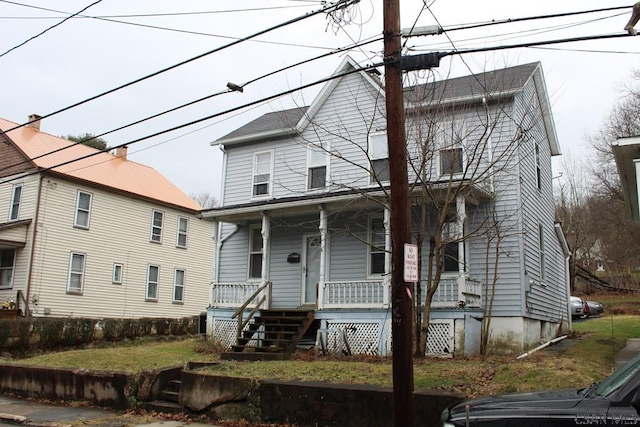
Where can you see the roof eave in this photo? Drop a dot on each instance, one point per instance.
(255, 137)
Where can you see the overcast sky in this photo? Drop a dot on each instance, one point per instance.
(85, 56)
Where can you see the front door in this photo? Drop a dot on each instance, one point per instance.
(311, 268)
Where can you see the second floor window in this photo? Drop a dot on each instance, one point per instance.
(317, 167)
(7, 257)
(376, 245)
(255, 253)
(16, 196)
(83, 209)
(157, 219)
(538, 168)
(117, 273)
(378, 157)
(450, 138)
(75, 283)
(262, 173)
(543, 275)
(183, 226)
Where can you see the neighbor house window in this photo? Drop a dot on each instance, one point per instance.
(317, 167)
(255, 253)
(117, 273)
(16, 196)
(183, 226)
(156, 226)
(599, 265)
(7, 262)
(153, 275)
(542, 254)
(379, 157)
(538, 169)
(262, 173)
(178, 286)
(376, 245)
(83, 209)
(75, 283)
(450, 141)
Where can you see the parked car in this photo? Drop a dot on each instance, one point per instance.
(614, 401)
(595, 308)
(577, 307)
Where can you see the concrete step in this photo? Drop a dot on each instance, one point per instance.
(169, 396)
(164, 407)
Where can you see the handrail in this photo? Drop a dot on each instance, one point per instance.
(239, 312)
(248, 301)
(20, 296)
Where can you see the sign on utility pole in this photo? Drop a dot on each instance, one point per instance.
(410, 263)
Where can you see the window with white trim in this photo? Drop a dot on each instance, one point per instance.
(379, 157)
(262, 174)
(16, 197)
(116, 276)
(7, 265)
(178, 285)
(83, 209)
(450, 137)
(153, 277)
(255, 252)
(376, 245)
(317, 167)
(157, 218)
(538, 167)
(183, 228)
(75, 282)
(543, 275)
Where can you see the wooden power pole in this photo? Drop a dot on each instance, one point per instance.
(403, 403)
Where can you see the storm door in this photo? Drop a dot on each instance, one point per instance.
(311, 268)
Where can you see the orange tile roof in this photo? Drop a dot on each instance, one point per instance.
(103, 169)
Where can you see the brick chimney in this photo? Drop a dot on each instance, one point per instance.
(34, 120)
(121, 152)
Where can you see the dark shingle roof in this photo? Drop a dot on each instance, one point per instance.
(276, 120)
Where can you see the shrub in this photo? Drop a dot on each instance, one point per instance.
(162, 325)
(5, 331)
(50, 332)
(22, 333)
(111, 329)
(146, 325)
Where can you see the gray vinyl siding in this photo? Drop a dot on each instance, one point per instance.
(234, 254)
(348, 250)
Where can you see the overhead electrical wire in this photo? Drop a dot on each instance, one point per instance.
(50, 28)
(327, 8)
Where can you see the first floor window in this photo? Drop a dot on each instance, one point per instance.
(376, 246)
(117, 273)
(255, 253)
(7, 261)
(75, 283)
(153, 274)
(450, 258)
(178, 286)
(16, 196)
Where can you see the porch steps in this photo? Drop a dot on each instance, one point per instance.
(273, 335)
(168, 399)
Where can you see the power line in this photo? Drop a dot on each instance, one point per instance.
(50, 28)
(328, 8)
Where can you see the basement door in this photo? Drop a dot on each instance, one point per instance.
(311, 268)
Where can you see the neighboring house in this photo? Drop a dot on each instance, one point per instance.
(591, 258)
(99, 237)
(627, 155)
(305, 209)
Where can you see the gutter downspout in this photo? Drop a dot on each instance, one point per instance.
(27, 310)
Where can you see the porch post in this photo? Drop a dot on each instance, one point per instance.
(323, 255)
(215, 236)
(266, 227)
(387, 259)
(461, 216)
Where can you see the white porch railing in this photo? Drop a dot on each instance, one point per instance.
(452, 290)
(354, 294)
(233, 295)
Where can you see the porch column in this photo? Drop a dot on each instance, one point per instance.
(215, 236)
(387, 259)
(266, 227)
(461, 216)
(323, 254)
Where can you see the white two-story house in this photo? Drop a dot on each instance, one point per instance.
(91, 234)
(304, 214)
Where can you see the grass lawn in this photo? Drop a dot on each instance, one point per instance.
(586, 357)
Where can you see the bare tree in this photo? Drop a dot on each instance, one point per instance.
(205, 199)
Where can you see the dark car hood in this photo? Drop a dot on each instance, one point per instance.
(520, 404)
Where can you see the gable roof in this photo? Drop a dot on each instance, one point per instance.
(103, 169)
(498, 83)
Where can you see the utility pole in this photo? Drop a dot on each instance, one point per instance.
(403, 403)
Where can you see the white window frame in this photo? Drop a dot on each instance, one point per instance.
(314, 152)
(79, 209)
(11, 268)
(377, 149)
(541, 249)
(76, 273)
(370, 245)
(14, 208)
(177, 285)
(115, 277)
(155, 227)
(182, 233)
(252, 229)
(538, 167)
(447, 132)
(255, 173)
(150, 282)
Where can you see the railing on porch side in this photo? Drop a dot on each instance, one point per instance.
(471, 293)
(355, 294)
(233, 295)
(239, 313)
(456, 291)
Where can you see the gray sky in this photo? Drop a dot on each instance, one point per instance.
(83, 57)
